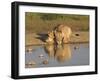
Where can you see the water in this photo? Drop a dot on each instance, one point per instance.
(54, 56)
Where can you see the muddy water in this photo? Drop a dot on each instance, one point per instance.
(54, 56)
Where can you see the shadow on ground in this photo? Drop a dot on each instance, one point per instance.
(42, 37)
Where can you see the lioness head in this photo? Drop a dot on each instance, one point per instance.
(58, 37)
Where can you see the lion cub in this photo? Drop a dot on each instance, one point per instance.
(50, 39)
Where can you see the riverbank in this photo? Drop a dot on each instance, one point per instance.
(38, 39)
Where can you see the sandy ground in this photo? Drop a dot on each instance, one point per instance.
(37, 39)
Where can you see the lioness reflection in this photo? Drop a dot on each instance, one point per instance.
(60, 52)
(50, 50)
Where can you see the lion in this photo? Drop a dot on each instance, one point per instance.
(50, 39)
(60, 34)
(58, 37)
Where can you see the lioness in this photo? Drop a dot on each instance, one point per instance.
(62, 34)
(58, 37)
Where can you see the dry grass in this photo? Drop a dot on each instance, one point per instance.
(34, 23)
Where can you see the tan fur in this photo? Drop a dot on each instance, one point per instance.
(50, 39)
(60, 34)
(58, 37)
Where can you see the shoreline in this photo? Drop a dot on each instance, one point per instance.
(35, 39)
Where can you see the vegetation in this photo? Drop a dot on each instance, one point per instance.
(43, 22)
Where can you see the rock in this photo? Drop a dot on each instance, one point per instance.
(76, 47)
(29, 50)
(41, 55)
(45, 62)
(32, 63)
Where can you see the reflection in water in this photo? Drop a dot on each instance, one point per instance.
(60, 52)
(50, 50)
(63, 53)
(56, 55)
